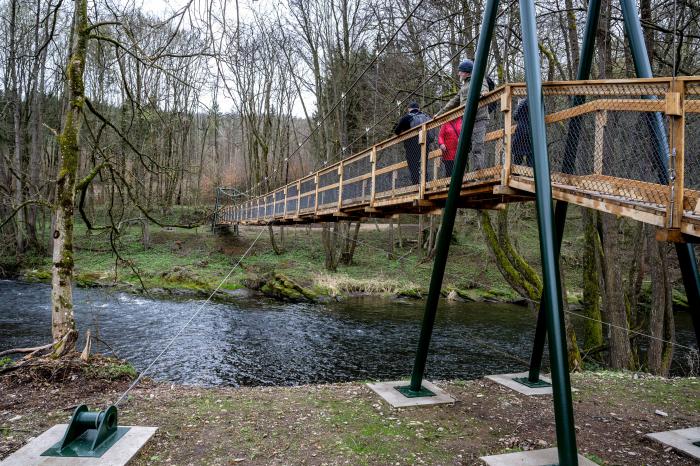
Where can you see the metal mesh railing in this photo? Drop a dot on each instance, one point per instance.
(328, 188)
(614, 144)
(357, 179)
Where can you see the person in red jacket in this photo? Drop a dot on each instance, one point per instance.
(447, 139)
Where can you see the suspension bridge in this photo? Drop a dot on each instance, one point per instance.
(612, 165)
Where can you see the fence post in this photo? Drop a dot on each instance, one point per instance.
(340, 185)
(601, 120)
(373, 161)
(676, 112)
(423, 140)
(285, 201)
(506, 105)
(316, 197)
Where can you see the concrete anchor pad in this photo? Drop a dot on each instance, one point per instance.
(388, 391)
(118, 455)
(508, 380)
(545, 457)
(682, 440)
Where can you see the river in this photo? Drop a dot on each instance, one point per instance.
(258, 342)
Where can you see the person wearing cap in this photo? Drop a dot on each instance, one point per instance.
(477, 155)
(413, 117)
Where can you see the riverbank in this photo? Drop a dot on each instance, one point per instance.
(191, 263)
(347, 424)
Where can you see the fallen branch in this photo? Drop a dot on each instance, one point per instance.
(26, 350)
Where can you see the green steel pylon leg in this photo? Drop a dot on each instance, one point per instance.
(572, 138)
(541, 328)
(561, 385)
(686, 255)
(450, 210)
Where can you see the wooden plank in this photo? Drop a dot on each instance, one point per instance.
(285, 202)
(674, 103)
(391, 168)
(677, 129)
(422, 203)
(506, 102)
(423, 160)
(670, 235)
(603, 205)
(373, 161)
(601, 121)
(316, 200)
(358, 178)
(340, 185)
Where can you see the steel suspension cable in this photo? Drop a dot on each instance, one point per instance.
(348, 90)
(192, 317)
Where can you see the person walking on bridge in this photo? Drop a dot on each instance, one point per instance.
(414, 117)
(477, 155)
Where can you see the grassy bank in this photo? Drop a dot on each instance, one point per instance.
(194, 261)
(181, 260)
(348, 424)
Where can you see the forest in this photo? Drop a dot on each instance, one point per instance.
(114, 116)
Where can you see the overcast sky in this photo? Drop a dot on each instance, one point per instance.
(163, 8)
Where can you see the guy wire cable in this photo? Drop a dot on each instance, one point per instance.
(182, 329)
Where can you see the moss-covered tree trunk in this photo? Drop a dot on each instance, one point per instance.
(521, 276)
(62, 320)
(592, 327)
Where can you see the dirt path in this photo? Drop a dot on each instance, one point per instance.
(348, 424)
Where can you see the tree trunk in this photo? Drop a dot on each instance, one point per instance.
(275, 248)
(390, 252)
(350, 243)
(20, 238)
(329, 240)
(614, 310)
(63, 322)
(592, 327)
(661, 323)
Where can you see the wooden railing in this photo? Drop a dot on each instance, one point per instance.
(636, 152)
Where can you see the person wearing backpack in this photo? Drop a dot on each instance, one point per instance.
(477, 158)
(413, 117)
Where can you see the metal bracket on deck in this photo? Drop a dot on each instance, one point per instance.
(89, 434)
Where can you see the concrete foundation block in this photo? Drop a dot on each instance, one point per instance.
(682, 440)
(508, 380)
(118, 455)
(545, 457)
(388, 392)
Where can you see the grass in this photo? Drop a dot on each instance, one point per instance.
(195, 260)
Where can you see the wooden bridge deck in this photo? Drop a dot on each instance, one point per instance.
(618, 164)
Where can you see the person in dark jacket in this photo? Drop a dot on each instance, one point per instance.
(414, 117)
(521, 148)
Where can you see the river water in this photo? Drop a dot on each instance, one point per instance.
(262, 343)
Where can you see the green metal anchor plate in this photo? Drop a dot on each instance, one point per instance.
(538, 384)
(408, 393)
(89, 434)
